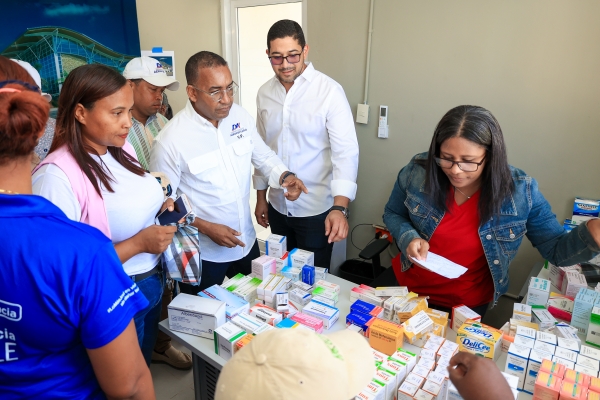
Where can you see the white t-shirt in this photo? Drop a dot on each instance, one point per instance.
(130, 208)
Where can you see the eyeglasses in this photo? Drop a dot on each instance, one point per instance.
(278, 60)
(466, 166)
(217, 95)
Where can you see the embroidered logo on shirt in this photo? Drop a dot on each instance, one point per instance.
(11, 311)
(236, 129)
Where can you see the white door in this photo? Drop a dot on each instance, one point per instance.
(246, 24)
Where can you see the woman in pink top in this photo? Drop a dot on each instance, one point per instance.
(91, 173)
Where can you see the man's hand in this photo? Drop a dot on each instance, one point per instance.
(594, 228)
(295, 187)
(336, 226)
(478, 378)
(261, 212)
(222, 235)
(168, 204)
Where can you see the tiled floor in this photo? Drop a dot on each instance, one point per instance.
(170, 383)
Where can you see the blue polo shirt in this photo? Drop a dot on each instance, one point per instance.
(62, 291)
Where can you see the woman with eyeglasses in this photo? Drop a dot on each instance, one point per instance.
(66, 306)
(463, 201)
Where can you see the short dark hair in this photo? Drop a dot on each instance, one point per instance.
(477, 125)
(286, 28)
(203, 59)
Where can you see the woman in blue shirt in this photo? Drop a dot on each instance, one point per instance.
(467, 158)
(66, 305)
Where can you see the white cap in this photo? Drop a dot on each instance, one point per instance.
(297, 364)
(150, 70)
(35, 75)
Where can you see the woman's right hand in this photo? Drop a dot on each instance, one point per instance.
(155, 239)
(418, 249)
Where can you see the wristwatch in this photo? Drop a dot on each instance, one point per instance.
(344, 210)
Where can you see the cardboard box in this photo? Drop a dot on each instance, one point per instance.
(522, 311)
(329, 315)
(275, 245)
(416, 328)
(428, 363)
(543, 318)
(516, 362)
(299, 258)
(431, 388)
(263, 328)
(552, 367)
(226, 336)
(547, 386)
(411, 308)
(582, 310)
(196, 315)
(462, 313)
(533, 366)
(480, 339)
(385, 336)
(572, 283)
(234, 305)
(584, 210)
(264, 266)
(538, 292)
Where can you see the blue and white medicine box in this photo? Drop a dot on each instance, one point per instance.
(585, 209)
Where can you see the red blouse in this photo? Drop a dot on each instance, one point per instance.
(457, 239)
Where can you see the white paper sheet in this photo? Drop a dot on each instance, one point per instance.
(441, 266)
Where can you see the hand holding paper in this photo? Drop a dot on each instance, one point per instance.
(440, 265)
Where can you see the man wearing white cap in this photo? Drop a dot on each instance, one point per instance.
(148, 79)
(44, 142)
(298, 364)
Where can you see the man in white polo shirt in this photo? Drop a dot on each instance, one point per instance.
(207, 151)
(148, 79)
(304, 116)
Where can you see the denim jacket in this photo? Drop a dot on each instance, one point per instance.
(409, 215)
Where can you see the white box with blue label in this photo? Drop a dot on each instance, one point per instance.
(538, 292)
(275, 245)
(582, 309)
(234, 305)
(196, 315)
(516, 362)
(585, 209)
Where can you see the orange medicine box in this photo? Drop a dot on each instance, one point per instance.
(578, 378)
(593, 395)
(553, 368)
(243, 341)
(595, 384)
(547, 387)
(385, 336)
(572, 391)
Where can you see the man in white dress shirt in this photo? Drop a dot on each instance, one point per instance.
(207, 151)
(304, 116)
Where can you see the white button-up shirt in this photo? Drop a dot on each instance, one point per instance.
(311, 129)
(212, 166)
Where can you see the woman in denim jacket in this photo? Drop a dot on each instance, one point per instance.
(463, 201)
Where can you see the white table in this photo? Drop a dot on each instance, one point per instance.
(207, 365)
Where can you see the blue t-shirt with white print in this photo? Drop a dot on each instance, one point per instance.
(62, 291)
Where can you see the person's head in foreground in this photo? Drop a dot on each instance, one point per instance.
(467, 152)
(298, 364)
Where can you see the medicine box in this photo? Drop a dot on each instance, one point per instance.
(516, 362)
(568, 344)
(524, 341)
(538, 292)
(565, 363)
(576, 377)
(361, 320)
(585, 209)
(416, 329)
(572, 391)
(299, 296)
(389, 380)
(572, 283)
(565, 354)
(247, 322)
(249, 290)
(582, 310)
(522, 311)
(479, 339)
(275, 245)
(234, 305)
(590, 352)
(263, 328)
(533, 367)
(415, 379)
(545, 347)
(388, 306)
(556, 274)
(235, 280)
(407, 391)
(366, 308)
(321, 273)
(588, 362)
(462, 313)
(243, 342)
(398, 367)
(405, 356)
(439, 318)
(292, 273)
(328, 295)
(265, 314)
(542, 317)
(593, 334)
(566, 331)
(365, 295)
(226, 336)
(281, 262)
(411, 308)
(385, 336)
(315, 324)
(196, 315)
(287, 324)
(527, 332)
(299, 258)
(546, 337)
(329, 315)
(308, 274)
(263, 266)
(327, 285)
(547, 386)
(302, 286)
(389, 291)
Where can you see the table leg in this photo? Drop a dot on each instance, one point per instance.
(205, 378)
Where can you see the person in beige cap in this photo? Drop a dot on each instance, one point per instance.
(148, 79)
(298, 364)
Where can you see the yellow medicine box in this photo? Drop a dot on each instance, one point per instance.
(385, 336)
(477, 338)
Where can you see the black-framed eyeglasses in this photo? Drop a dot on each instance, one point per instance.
(278, 60)
(466, 166)
(217, 95)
